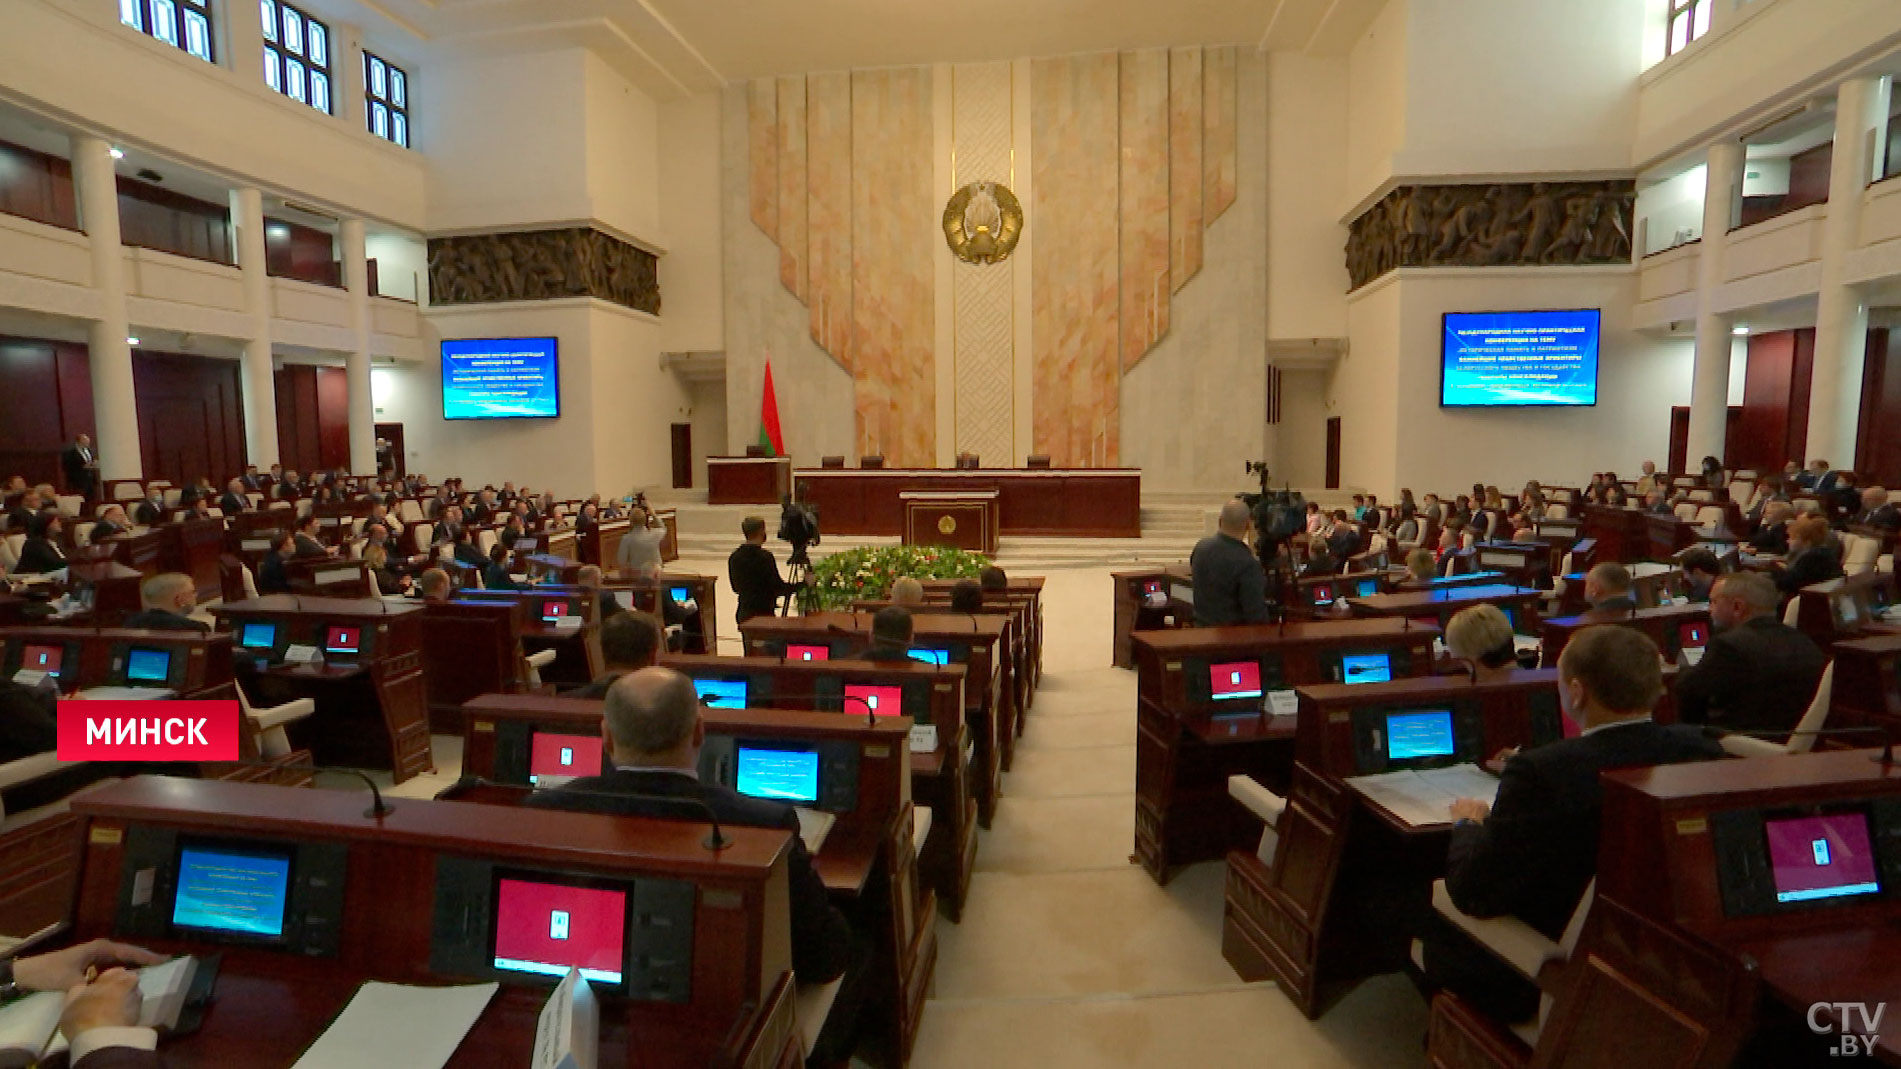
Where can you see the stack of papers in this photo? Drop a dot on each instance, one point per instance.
(1423, 797)
(396, 1026)
(814, 826)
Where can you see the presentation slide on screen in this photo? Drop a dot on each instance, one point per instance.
(500, 378)
(1520, 358)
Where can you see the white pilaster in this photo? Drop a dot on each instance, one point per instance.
(260, 387)
(115, 406)
(356, 278)
(1709, 384)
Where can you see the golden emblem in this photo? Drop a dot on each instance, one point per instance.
(982, 222)
(945, 525)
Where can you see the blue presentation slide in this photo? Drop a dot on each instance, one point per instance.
(500, 378)
(224, 891)
(1520, 358)
(781, 775)
(1415, 735)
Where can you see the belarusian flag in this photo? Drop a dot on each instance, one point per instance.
(769, 435)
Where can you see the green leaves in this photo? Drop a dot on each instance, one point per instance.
(868, 573)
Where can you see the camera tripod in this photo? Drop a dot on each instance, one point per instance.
(798, 569)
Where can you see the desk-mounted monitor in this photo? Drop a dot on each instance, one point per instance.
(789, 774)
(1182, 590)
(721, 693)
(1366, 587)
(876, 699)
(1417, 736)
(928, 655)
(680, 595)
(233, 891)
(343, 639)
(1366, 666)
(1321, 595)
(147, 666)
(1693, 634)
(555, 758)
(271, 894)
(553, 609)
(544, 926)
(1807, 857)
(807, 651)
(259, 635)
(48, 657)
(1519, 359)
(1234, 681)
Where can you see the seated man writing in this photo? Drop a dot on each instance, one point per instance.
(1533, 851)
(652, 733)
(165, 604)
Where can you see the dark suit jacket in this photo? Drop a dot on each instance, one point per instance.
(27, 721)
(1757, 676)
(310, 547)
(78, 475)
(147, 513)
(821, 937)
(496, 577)
(596, 690)
(1887, 518)
(119, 1058)
(1810, 566)
(1230, 587)
(271, 576)
(757, 585)
(466, 553)
(18, 517)
(1771, 539)
(1536, 852)
(38, 554)
(232, 504)
(160, 620)
(104, 530)
(610, 606)
(1610, 609)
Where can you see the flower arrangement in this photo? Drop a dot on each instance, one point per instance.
(868, 572)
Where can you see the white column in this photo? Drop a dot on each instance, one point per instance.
(1841, 311)
(260, 389)
(356, 278)
(115, 406)
(1709, 385)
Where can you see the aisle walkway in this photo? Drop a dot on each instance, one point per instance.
(1069, 954)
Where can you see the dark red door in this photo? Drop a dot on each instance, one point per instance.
(1333, 453)
(682, 455)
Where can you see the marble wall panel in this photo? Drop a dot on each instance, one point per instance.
(1075, 390)
(893, 281)
(828, 155)
(762, 114)
(1144, 201)
(792, 197)
(983, 294)
(1218, 105)
(1185, 177)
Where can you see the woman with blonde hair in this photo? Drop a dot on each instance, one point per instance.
(1482, 635)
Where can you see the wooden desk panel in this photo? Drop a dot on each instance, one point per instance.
(965, 519)
(748, 480)
(1099, 503)
(1132, 614)
(1661, 624)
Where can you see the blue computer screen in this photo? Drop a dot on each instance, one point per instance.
(929, 656)
(680, 595)
(721, 693)
(1520, 358)
(1366, 668)
(500, 378)
(1423, 734)
(1368, 588)
(258, 635)
(228, 890)
(781, 775)
(148, 666)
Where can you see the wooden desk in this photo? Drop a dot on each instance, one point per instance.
(1522, 563)
(331, 577)
(1133, 614)
(1187, 745)
(372, 707)
(192, 547)
(94, 656)
(959, 519)
(600, 544)
(1024, 640)
(1623, 534)
(728, 1003)
(578, 658)
(1097, 503)
(748, 480)
(470, 648)
(1664, 625)
(1440, 605)
(700, 633)
(1019, 588)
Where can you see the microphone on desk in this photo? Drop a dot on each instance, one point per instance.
(378, 807)
(1885, 757)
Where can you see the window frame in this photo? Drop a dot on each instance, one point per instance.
(1695, 13)
(280, 58)
(393, 100)
(180, 24)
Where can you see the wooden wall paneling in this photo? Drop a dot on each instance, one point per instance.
(1801, 373)
(1144, 212)
(828, 155)
(298, 445)
(34, 185)
(191, 416)
(155, 218)
(333, 417)
(1186, 179)
(1775, 419)
(47, 400)
(1808, 184)
(1878, 444)
(301, 252)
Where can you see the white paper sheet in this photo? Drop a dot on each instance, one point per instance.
(396, 1026)
(1422, 797)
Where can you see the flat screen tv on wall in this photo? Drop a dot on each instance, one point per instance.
(501, 378)
(1516, 359)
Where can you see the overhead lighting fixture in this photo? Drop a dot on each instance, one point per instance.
(131, 341)
(117, 152)
(1740, 330)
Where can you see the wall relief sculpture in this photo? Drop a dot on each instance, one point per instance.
(1512, 225)
(542, 265)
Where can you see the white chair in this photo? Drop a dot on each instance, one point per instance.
(1802, 739)
(1711, 516)
(272, 739)
(1858, 555)
(1520, 947)
(69, 505)
(304, 505)
(277, 505)
(124, 492)
(811, 1005)
(10, 551)
(82, 534)
(256, 500)
(408, 511)
(1557, 511)
(1262, 803)
(248, 581)
(485, 540)
(1790, 611)
(1686, 511)
(536, 662)
(1702, 497)
(215, 513)
(172, 495)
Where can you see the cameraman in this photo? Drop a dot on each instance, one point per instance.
(754, 573)
(640, 546)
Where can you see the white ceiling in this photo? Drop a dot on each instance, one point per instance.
(674, 47)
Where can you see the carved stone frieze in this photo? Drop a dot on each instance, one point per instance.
(541, 265)
(1515, 224)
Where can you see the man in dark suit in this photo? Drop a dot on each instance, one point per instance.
(1344, 540)
(484, 509)
(466, 551)
(251, 480)
(1758, 673)
(150, 510)
(233, 501)
(29, 719)
(495, 575)
(82, 467)
(1607, 591)
(754, 574)
(1772, 531)
(1701, 570)
(272, 576)
(1876, 512)
(166, 601)
(1531, 853)
(629, 642)
(308, 544)
(101, 1018)
(652, 734)
(1230, 587)
(891, 631)
(20, 516)
(112, 523)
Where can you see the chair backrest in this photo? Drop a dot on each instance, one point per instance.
(1701, 496)
(126, 491)
(10, 551)
(1710, 515)
(250, 583)
(485, 540)
(1557, 511)
(832, 462)
(82, 534)
(1686, 510)
(1037, 460)
(1858, 556)
(408, 511)
(1790, 611)
(871, 460)
(1802, 740)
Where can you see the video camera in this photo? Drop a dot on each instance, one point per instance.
(798, 524)
(1278, 515)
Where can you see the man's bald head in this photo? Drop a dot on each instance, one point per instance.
(1874, 497)
(170, 591)
(652, 718)
(1234, 519)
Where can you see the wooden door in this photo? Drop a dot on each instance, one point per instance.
(397, 457)
(682, 455)
(1333, 453)
(1679, 437)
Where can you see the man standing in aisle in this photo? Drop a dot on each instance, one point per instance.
(82, 467)
(1230, 587)
(755, 574)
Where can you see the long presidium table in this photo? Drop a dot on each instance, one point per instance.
(1090, 502)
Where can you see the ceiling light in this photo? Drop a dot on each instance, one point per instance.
(1740, 330)
(131, 341)
(117, 153)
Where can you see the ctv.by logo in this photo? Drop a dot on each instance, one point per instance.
(1822, 1018)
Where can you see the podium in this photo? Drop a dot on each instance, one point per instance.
(959, 519)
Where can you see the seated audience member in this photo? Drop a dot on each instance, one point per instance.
(1701, 569)
(630, 640)
(449, 529)
(966, 596)
(40, 553)
(191, 493)
(1344, 542)
(380, 515)
(1482, 635)
(495, 572)
(993, 580)
(112, 523)
(100, 1018)
(1532, 852)
(1607, 590)
(1371, 513)
(308, 544)
(1808, 479)
(1842, 503)
(1648, 481)
(233, 500)
(29, 718)
(1420, 565)
(590, 577)
(1358, 511)
(1431, 510)
(484, 508)
(1451, 540)
(1876, 512)
(1461, 509)
(165, 604)
(515, 528)
(20, 515)
(1772, 532)
(251, 481)
(1614, 494)
(1758, 673)
(1712, 475)
(907, 591)
(376, 557)
(272, 576)
(652, 731)
(466, 551)
(1654, 502)
(150, 511)
(1316, 520)
(1319, 562)
(1812, 559)
(435, 585)
(643, 542)
(587, 519)
(1405, 523)
(1230, 587)
(891, 631)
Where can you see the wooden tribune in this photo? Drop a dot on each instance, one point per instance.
(1079, 502)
